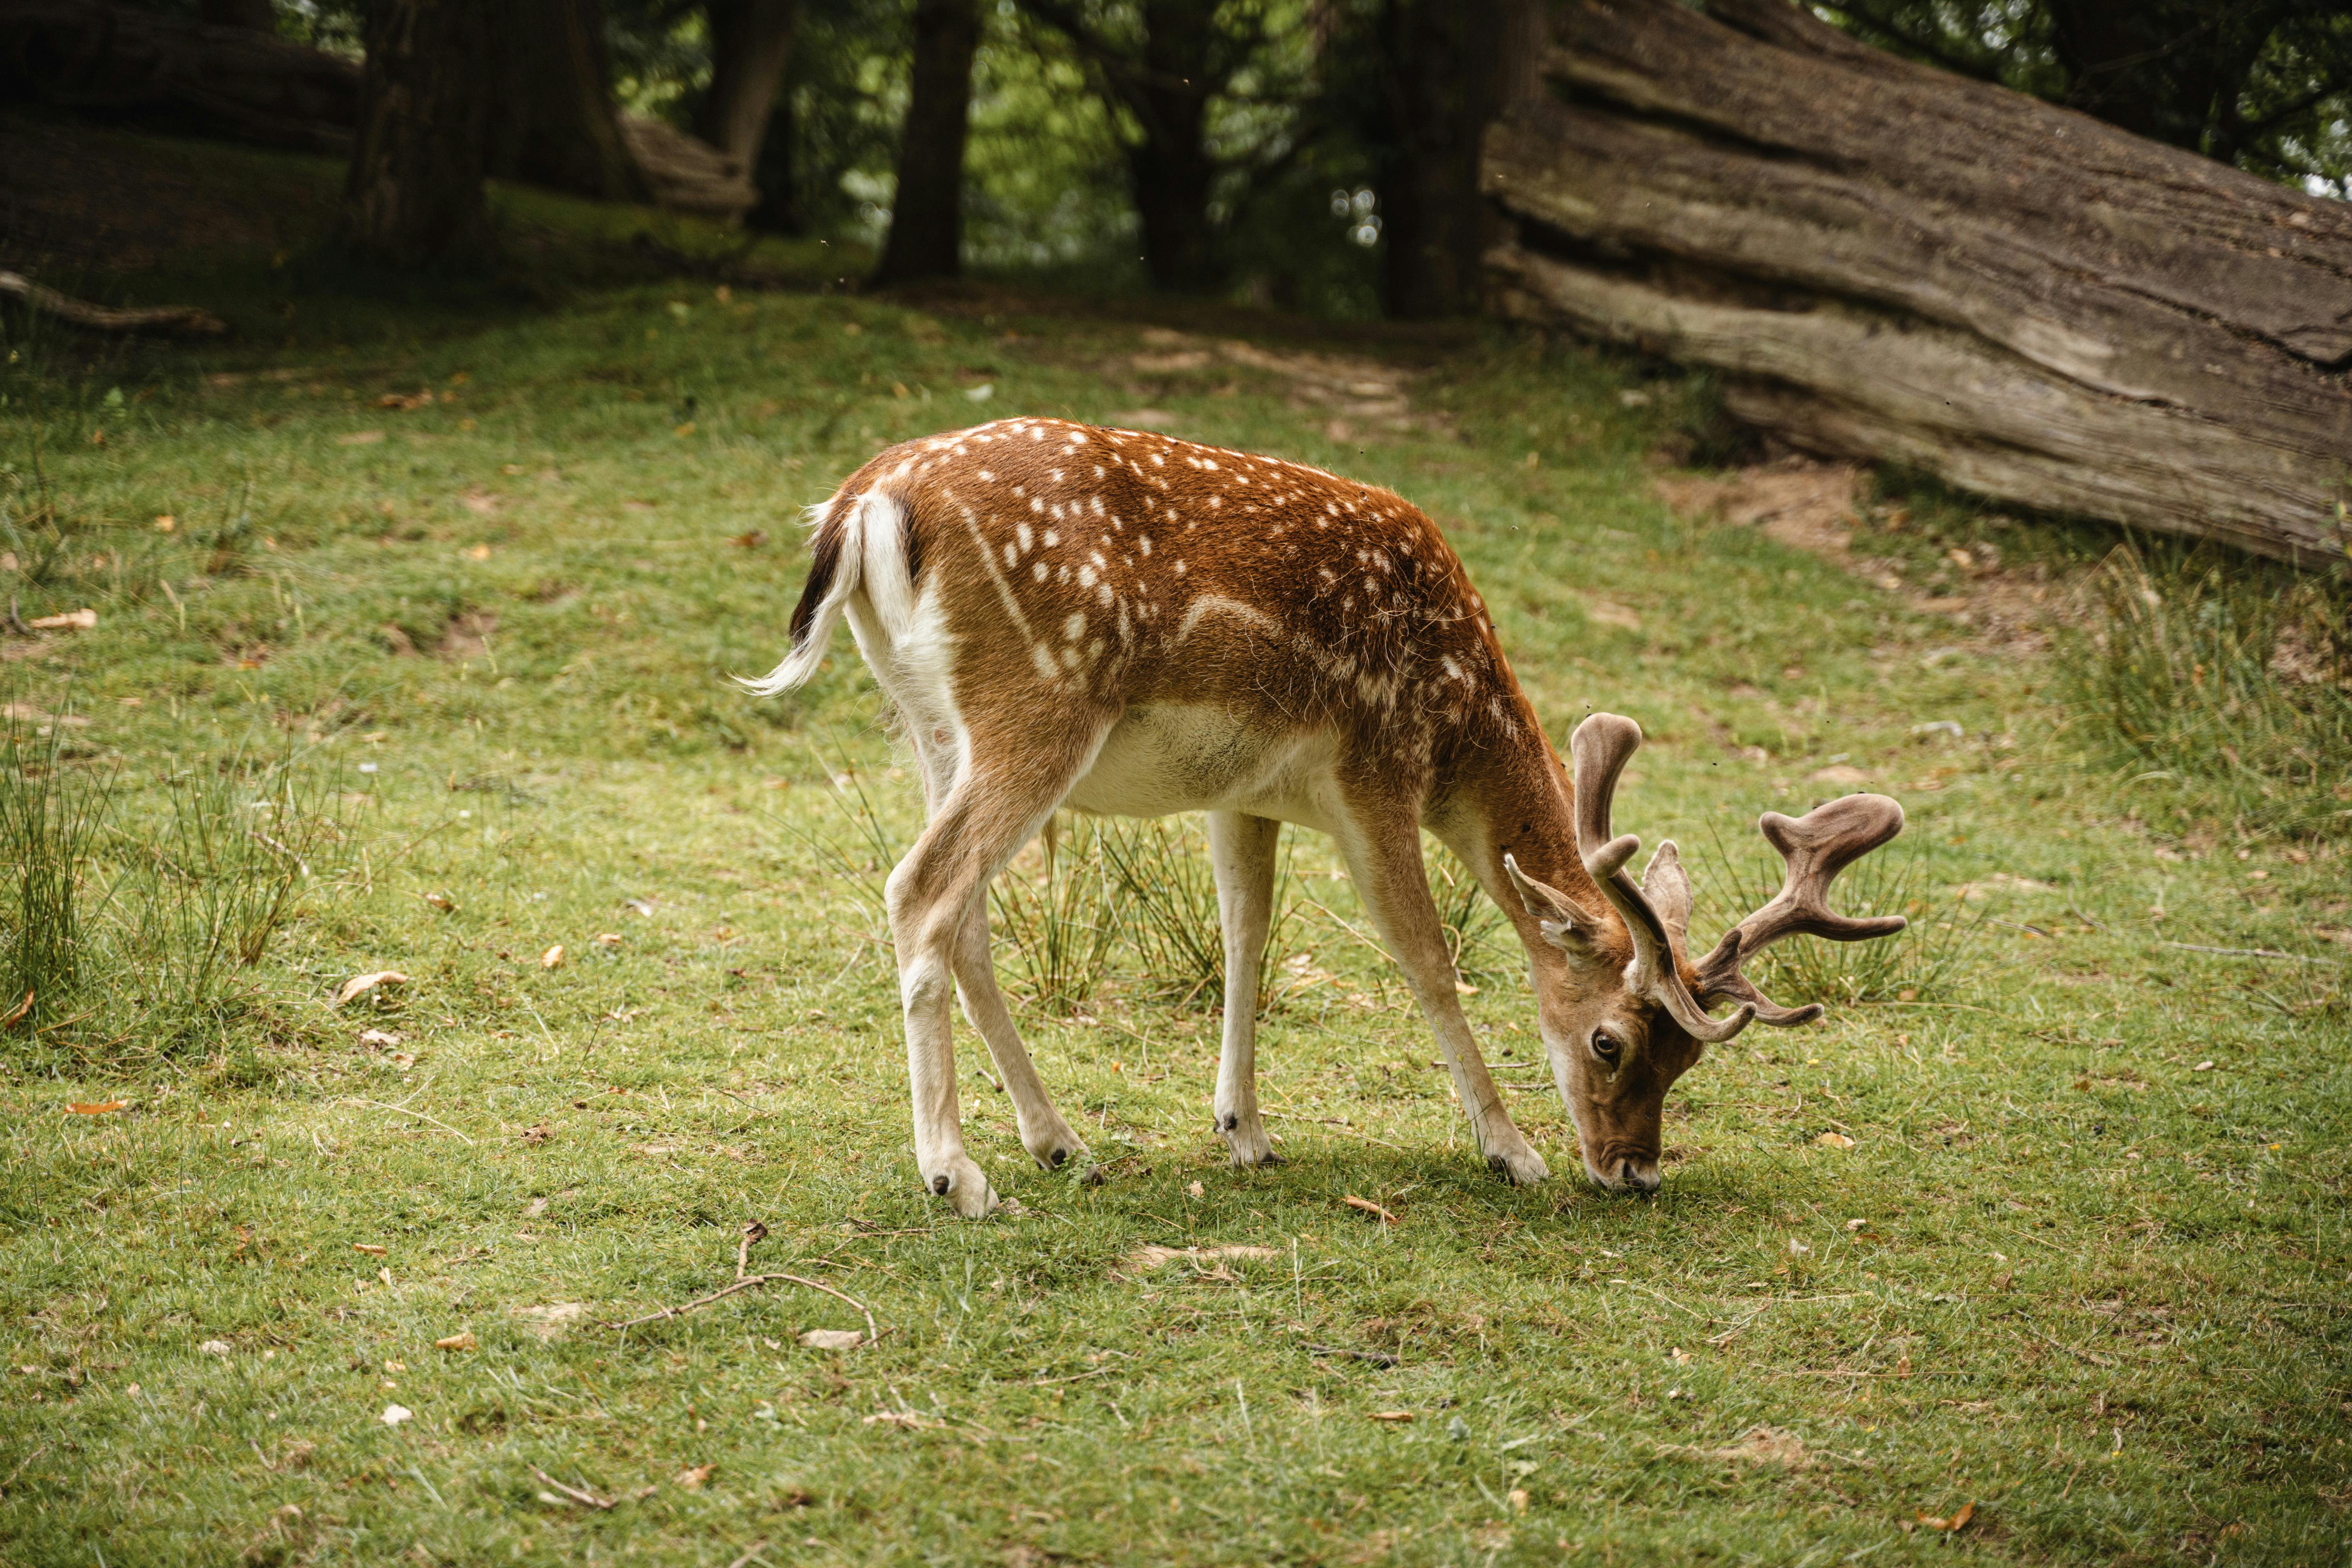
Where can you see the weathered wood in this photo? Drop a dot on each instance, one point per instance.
(1888, 261)
(117, 59)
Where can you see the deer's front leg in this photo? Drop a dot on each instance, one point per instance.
(1241, 847)
(1385, 860)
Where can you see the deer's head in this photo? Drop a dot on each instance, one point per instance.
(1627, 1013)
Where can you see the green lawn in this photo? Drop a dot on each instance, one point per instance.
(2081, 1268)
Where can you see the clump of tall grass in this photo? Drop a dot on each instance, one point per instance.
(140, 913)
(2224, 684)
(51, 813)
(1925, 961)
(1058, 923)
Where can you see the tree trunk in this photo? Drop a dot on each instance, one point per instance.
(1447, 57)
(552, 122)
(415, 195)
(1887, 261)
(927, 216)
(1170, 171)
(750, 44)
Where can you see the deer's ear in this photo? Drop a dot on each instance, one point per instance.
(1564, 923)
(1667, 886)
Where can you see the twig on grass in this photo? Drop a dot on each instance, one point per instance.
(585, 1499)
(404, 1111)
(2249, 952)
(1378, 1358)
(753, 1231)
(751, 1554)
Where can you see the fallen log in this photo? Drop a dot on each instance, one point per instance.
(122, 61)
(1887, 261)
(107, 318)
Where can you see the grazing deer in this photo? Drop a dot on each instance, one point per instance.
(1124, 623)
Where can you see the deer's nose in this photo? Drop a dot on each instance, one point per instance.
(1638, 1175)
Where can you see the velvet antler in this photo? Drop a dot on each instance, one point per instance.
(1598, 750)
(1817, 846)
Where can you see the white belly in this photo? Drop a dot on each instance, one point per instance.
(1172, 757)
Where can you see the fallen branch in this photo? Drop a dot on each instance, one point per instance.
(753, 1231)
(105, 318)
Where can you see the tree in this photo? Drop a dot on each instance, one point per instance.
(1882, 259)
(927, 216)
(751, 45)
(1162, 63)
(552, 121)
(259, 16)
(413, 197)
(1444, 81)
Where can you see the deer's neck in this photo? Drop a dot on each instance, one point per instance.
(1518, 801)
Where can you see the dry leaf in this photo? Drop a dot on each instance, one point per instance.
(608, 938)
(166, 523)
(394, 1415)
(71, 621)
(382, 1038)
(1766, 1446)
(550, 1321)
(1902, 1364)
(370, 1247)
(1370, 1207)
(459, 1342)
(692, 1479)
(215, 1347)
(16, 1014)
(102, 1108)
(832, 1339)
(552, 958)
(536, 1135)
(442, 902)
(1391, 1415)
(749, 539)
(1834, 1141)
(478, 553)
(361, 985)
(1959, 1520)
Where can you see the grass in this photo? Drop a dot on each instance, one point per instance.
(2097, 1290)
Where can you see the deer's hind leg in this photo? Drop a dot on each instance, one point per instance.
(1001, 795)
(1043, 1133)
(1241, 847)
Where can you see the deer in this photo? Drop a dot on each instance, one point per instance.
(1123, 624)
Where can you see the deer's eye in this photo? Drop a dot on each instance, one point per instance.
(1605, 1046)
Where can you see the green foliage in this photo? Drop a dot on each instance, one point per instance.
(2263, 84)
(50, 812)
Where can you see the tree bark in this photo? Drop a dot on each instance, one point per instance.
(552, 118)
(751, 45)
(414, 198)
(1170, 171)
(1446, 59)
(927, 216)
(1887, 261)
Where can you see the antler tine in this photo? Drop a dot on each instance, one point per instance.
(1600, 749)
(1816, 846)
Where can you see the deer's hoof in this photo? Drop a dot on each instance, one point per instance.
(964, 1184)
